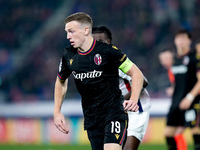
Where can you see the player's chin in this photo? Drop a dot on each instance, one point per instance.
(74, 46)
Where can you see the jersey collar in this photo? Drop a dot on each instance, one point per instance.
(90, 49)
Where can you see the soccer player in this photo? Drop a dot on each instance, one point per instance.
(166, 58)
(94, 66)
(138, 121)
(186, 70)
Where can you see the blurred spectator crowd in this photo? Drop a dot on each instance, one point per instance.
(141, 28)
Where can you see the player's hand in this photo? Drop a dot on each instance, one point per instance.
(130, 105)
(185, 104)
(60, 123)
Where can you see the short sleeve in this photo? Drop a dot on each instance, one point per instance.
(118, 56)
(64, 71)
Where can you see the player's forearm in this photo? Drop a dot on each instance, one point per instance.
(138, 78)
(136, 88)
(59, 94)
(195, 90)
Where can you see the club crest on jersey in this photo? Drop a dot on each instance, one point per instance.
(186, 60)
(97, 59)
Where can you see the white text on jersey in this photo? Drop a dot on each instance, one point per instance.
(179, 69)
(88, 75)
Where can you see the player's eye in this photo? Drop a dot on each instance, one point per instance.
(71, 31)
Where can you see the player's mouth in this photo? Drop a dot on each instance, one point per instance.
(72, 43)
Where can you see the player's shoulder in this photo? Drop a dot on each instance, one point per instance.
(102, 44)
(193, 56)
(105, 45)
(114, 47)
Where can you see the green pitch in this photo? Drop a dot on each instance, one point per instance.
(73, 147)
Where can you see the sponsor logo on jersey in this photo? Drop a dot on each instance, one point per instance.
(87, 75)
(70, 61)
(179, 69)
(97, 59)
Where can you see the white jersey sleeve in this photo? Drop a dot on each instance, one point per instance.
(125, 86)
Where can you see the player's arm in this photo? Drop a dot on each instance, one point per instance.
(59, 94)
(136, 75)
(187, 101)
(128, 78)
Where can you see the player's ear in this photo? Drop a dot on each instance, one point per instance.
(109, 41)
(87, 30)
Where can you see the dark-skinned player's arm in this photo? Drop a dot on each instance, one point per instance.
(128, 95)
(136, 75)
(59, 94)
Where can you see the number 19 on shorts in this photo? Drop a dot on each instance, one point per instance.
(115, 127)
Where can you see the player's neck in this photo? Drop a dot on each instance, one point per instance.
(86, 44)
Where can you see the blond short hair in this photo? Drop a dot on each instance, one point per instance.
(80, 17)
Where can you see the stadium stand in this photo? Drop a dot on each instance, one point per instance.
(32, 38)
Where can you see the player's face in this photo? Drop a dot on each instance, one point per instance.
(182, 42)
(75, 33)
(101, 37)
(166, 59)
(197, 46)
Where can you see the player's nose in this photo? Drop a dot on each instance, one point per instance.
(68, 37)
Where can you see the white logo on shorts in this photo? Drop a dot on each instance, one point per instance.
(190, 115)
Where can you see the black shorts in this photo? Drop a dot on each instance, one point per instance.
(189, 118)
(112, 131)
(175, 116)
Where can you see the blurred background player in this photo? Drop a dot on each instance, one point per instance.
(138, 121)
(166, 58)
(186, 70)
(197, 105)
